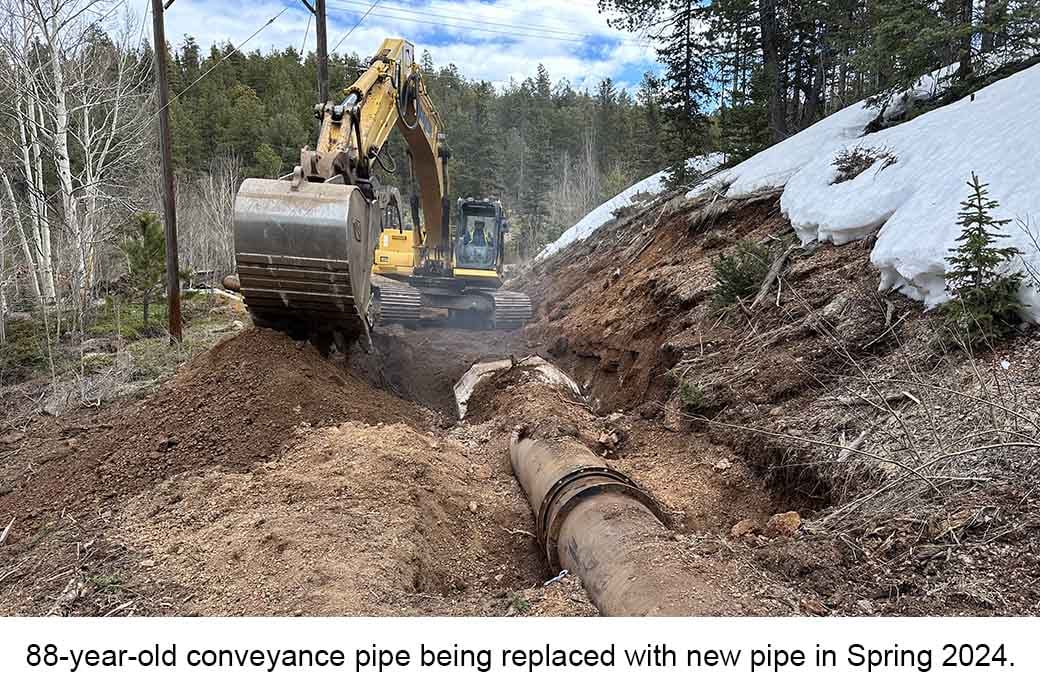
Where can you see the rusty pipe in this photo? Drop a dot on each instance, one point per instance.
(599, 525)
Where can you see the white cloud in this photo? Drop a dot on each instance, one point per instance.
(452, 37)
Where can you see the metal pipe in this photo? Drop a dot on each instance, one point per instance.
(599, 525)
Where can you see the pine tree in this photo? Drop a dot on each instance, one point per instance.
(984, 300)
(651, 156)
(679, 27)
(145, 250)
(538, 160)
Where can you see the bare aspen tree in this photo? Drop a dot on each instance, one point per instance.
(109, 122)
(81, 101)
(3, 275)
(21, 110)
(217, 192)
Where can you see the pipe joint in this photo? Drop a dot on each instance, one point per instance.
(576, 487)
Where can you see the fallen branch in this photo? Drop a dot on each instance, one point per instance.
(885, 332)
(7, 530)
(854, 446)
(774, 271)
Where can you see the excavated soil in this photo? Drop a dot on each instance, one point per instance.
(266, 478)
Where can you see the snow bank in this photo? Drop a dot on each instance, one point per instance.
(913, 201)
(605, 212)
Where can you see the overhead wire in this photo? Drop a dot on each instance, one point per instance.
(233, 51)
(440, 15)
(521, 30)
(356, 25)
(306, 35)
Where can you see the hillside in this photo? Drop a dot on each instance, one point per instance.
(906, 183)
(911, 460)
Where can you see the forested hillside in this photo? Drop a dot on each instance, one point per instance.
(740, 75)
(78, 117)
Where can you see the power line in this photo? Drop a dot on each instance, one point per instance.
(306, 33)
(233, 51)
(525, 31)
(514, 34)
(440, 15)
(356, 25)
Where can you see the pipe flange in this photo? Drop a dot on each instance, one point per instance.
(551, 541)
(561, 483)
(555, 508)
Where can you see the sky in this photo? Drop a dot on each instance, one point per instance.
(495, 40)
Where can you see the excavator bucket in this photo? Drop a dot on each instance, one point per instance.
(304, 254)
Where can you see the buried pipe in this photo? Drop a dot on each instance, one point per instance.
(597, 524)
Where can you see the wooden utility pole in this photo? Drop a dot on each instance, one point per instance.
(173, 280)
(321, 24)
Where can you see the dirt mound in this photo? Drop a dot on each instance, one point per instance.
(352, 519)
(232, 406)
(266, 479)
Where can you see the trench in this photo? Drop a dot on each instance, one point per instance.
(423, 365)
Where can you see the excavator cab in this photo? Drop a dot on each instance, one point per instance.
(479, 240)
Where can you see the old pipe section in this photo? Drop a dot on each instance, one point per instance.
(596, 523)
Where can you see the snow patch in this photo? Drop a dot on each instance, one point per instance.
(912, 203)
(605, 213)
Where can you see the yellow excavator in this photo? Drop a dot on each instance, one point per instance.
(311, 245)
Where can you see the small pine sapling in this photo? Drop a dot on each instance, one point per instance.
(984, 296)
(145, 249)
(739, 275)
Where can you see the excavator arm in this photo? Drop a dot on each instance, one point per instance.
(304, 243)
(390, 93)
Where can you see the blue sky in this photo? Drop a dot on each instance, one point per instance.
(487, 39)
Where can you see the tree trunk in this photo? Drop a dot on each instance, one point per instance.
(771, 69)
(967, 19)
(46, 262)
(3, 279)
(62, 161)
(814, 98)
(30, 257)
(994, 16)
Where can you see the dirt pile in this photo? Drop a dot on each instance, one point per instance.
(352, 519)
(267, 479)
(231, 409)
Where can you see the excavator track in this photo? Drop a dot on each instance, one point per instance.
(397, 302)
(512, 309)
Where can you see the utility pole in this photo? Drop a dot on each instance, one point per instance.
(321, 24)
(173, 281)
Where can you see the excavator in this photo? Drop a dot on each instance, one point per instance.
(319, 251)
